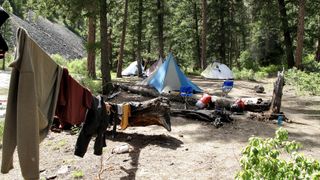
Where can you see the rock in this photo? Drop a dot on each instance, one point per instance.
(63, 169)
(259, 88)
(122, 149)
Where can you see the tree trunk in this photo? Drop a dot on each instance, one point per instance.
(160, 10)
(110, 47)
(300, 33)
(286, 33)
(91, 64)
(232, 35)
(222, 48)
(318, 50)
(196, 36)
(204, 34)
(123, 37)
(139, 38)
(105, 65)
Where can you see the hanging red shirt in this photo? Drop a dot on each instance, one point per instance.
(73, 101)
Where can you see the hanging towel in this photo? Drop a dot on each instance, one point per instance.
(33, 93)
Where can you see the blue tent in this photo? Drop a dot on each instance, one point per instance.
(169, 77)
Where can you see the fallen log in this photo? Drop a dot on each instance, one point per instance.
(152, 112)
(150, 92)
(217, 118)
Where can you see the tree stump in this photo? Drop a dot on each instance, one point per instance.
(277, 95)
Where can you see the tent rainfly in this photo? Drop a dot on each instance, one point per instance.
(131, 70)
(169, 77)
(154, 67)
(217, 71)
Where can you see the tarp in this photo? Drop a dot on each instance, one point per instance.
(132, 69)
(169, 77)
(153, 67)
(217, 71)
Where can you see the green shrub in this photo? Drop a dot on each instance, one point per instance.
(243, 74)
(78, 66)
(59, 60)
(247, 62)
(305, 83)
(310, 65)
(93, 85)
(261, 159)
(271, 69)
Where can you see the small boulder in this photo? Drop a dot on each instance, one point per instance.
(259, 88)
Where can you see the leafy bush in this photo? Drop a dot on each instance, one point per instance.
(243, 74)
(93, 85)
(310, 65)
(270, 70)
(306, 83)
(246, 61)
(59, 60)
(261, 159)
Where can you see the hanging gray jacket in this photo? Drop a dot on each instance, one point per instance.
(33, 93)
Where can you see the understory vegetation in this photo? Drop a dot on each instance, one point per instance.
(308, 80)
(78, 70)
(266, 159)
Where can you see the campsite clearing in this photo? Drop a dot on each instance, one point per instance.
(192, 150)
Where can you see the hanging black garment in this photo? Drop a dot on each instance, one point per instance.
(3, 16)
(96, 122)
(3, 44)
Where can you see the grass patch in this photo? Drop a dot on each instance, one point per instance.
(60, 144)
(77, 174)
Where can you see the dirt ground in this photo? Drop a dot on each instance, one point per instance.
(192, 150)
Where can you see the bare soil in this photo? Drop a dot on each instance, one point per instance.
(192, 150)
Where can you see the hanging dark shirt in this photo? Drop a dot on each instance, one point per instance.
(3, 16)
(97, 121)
(3, 44)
